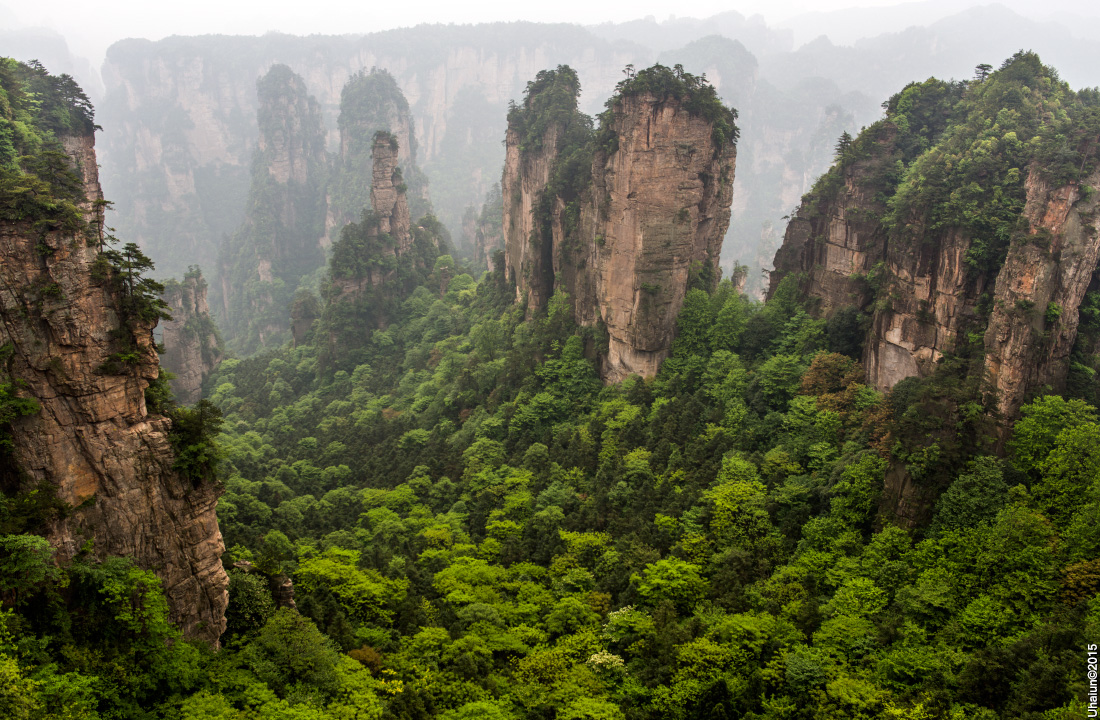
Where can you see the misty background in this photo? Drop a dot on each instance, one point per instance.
(175, 88)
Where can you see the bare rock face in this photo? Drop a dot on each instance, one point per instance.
(659, 210)
(932, 296)
(385, 231)
(484, 230)
(832, 247)
(387, 193)
(93, 439)
(192, 348)
(1039, 290)
(371, 102)
(649, 221)
(922, 295)
(180, 184)
(528, 255)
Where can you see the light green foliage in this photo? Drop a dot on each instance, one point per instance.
(674, 580)
(364, 594)
(475, 526)
(1041, 421)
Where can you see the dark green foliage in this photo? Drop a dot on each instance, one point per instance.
(38, 183)
(193, 437)
(140, 296)
(693, 92)
(977, 495)
(488, 531)
(12, 406)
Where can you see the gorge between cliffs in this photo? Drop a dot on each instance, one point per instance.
(565, 466)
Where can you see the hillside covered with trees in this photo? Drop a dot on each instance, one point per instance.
(474, 526)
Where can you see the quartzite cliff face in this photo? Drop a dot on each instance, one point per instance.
(626, 250)
(192, 348)
(93, 439)
(883, 234)
(1033, 325)
(658, 214)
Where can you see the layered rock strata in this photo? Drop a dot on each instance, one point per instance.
(93, 440)
(650, 223)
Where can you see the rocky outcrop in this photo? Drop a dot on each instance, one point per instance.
(649, 224)
(387, 193)
(932, 298)
(94, 440)
(370, 252)
(283, 235)
(1033, 326)
(486, 230)
(952, 238)
(657, 217)
(192, 347)
(831, 246)
(182, 113)
(528, 254)
(371, 102)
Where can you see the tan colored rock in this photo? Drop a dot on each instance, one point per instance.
(656, 211)
(660, 208)
(387, 193)
(529, 256)
(93, 439)
(1044, 279)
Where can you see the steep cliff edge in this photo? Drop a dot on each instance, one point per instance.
(654, 226)
(182, 113)
(625, 220)
(192, 346)
(77, 347)
(959, 225)
(1039, 291)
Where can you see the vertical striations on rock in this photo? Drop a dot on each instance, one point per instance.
(1033, 325)
(71, 346)
(957, 228)
(653, 227)
(282, 238)
(377, 260)
(387, 193)
(530, 154)
(192, 346)
(488, 229)
(625, 220)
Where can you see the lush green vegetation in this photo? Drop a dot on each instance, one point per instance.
(38, 184)
(477, 527)
(696, 95)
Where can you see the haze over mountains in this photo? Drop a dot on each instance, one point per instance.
(798, 83)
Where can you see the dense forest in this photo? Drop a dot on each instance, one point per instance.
(474, 526)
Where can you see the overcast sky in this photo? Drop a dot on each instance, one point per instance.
(90, 26)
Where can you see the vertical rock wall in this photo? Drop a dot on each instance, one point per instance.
(1033, 326)
(529, 255)
(192, 348)
(649, 223)
(659, 209)
(93, 439)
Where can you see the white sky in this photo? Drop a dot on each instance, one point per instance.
(90, 26)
